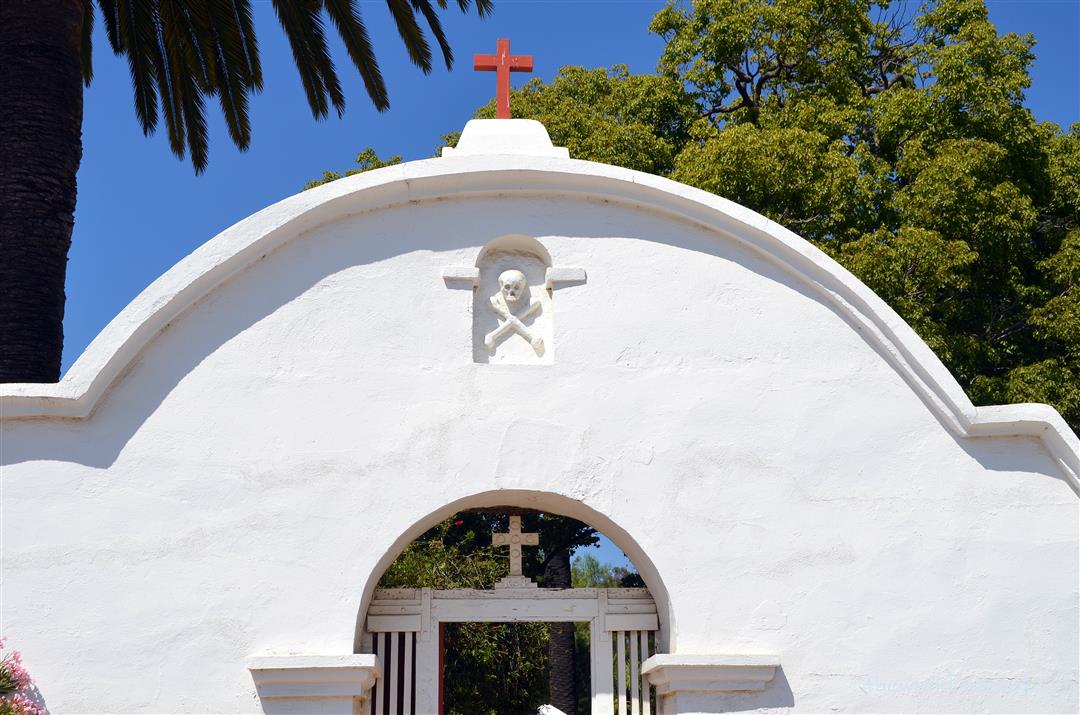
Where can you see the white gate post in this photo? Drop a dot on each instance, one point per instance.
(427, 658)
(603, 690)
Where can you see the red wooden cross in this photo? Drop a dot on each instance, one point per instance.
(503, 63)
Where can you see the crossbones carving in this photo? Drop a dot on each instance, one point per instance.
(513, 289)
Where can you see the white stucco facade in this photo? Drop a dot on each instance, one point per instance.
(227, 470)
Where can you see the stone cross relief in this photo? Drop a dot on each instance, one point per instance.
(515, 540)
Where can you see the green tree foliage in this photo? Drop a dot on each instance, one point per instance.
(588, 572)
(894, 137)
(495, 668)
(367, 160)
(637, 121)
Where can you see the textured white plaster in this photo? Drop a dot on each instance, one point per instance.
(488, 172)
(258, 435)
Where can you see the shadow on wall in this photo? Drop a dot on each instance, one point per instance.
(777, 694)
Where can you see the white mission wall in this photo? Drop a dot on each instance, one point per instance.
(785, 490)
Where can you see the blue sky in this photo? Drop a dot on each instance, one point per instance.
(140, 210)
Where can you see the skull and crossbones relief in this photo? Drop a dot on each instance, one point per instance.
(508, 304)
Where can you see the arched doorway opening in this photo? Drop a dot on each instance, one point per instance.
(430, 606)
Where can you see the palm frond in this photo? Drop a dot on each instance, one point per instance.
(194, 115)
(229, 68)
(411, 34)
(246, 27)
(167, 85)
(189, 77)
(110, 13)
(295, 17)
(186, 28)
(137, 30)
(346, 17)
(86, 44)
(316, 31)
(483, 7)
(180, 52)
(432, 17)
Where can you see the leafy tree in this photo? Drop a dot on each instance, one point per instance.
(637, 121)
(589, 572)
(497, 668)
(181, 53)
(894, 137)
(367, 160)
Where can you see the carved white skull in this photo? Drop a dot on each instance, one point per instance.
(513, 285)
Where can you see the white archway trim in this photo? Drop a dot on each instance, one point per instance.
(241, 245)
(539, 501)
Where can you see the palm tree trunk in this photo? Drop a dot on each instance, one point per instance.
(561, 680)
(41, 106)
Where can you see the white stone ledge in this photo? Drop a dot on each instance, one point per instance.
(673, 674)
(313, 683)
(564, 274)
(513, 137)
(467, 275)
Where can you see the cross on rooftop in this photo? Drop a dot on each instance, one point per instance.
(502, 63)
(515, 540)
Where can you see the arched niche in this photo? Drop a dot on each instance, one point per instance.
(512, 280)
(514, 243)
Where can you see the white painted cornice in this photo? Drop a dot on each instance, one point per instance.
(673, 674)
(314, 677)
(461, 176)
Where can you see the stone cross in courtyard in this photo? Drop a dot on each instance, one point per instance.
(502, 63)
(515, 540)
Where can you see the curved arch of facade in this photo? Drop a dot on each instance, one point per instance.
(241, 245)
(548, 502)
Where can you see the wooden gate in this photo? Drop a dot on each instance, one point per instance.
(403, 630)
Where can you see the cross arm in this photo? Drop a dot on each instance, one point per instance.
(489, 63)
(521, 63)
(486, 63)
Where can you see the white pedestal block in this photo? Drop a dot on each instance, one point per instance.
(693, 683)
(313, 684)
